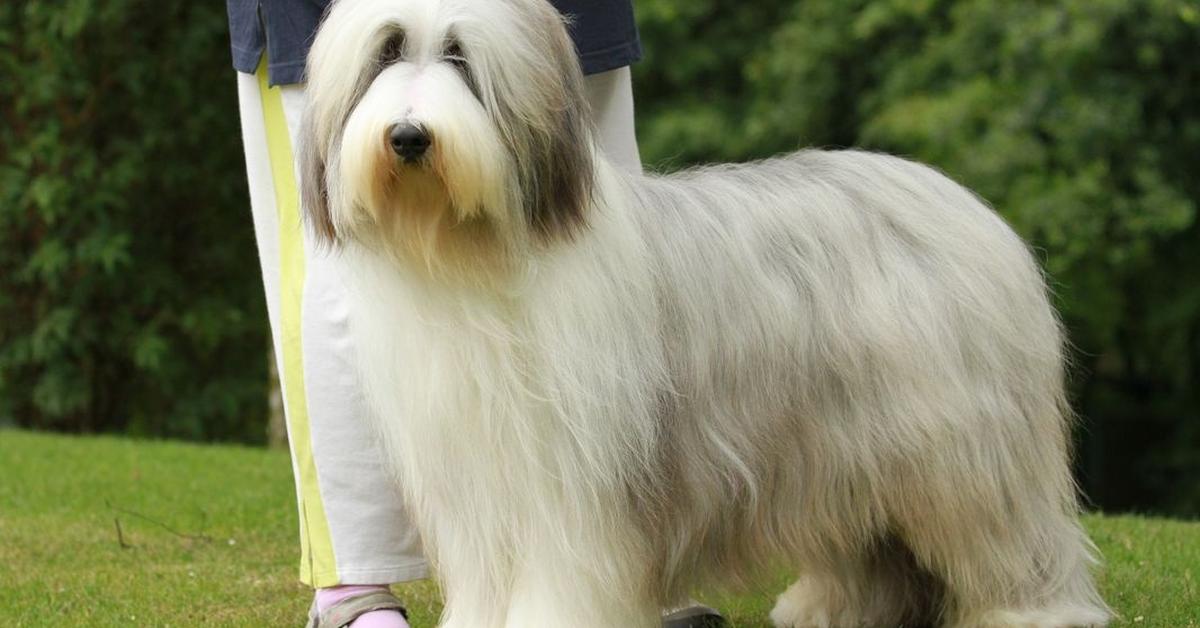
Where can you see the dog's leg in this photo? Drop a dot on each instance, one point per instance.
(536, 604)
(474, 584)
(551, 592)
(471, 603)
(1014, 558)
(1037, 577)
(881, 588)
(470, 611)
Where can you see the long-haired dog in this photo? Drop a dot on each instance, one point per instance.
(603, 389)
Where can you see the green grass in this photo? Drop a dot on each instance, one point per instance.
(228, 557)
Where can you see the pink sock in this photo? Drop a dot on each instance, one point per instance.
(374, 619)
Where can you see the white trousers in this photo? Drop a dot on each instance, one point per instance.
(353, 524)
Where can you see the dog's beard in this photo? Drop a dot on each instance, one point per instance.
(453, 209)
(414, 219)
(414, 212)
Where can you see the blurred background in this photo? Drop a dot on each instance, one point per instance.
(130, 295)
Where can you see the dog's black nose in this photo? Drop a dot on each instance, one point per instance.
(409, 141)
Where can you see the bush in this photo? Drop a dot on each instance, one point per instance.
(129, 290)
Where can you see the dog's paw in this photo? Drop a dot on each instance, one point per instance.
(806, 604)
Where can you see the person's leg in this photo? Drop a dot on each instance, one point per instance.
(353, 527)
(610, 95)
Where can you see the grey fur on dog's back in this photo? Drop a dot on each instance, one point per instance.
(895, 319)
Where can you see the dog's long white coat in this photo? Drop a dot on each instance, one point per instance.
(604, 389)
(780, 362)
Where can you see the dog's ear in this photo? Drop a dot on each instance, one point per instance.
(560, 173)
(561, 177)
(314, 193)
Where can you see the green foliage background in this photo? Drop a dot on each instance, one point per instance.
(129, 295)
(130, 299)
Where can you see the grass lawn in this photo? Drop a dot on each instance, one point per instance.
(208, 537)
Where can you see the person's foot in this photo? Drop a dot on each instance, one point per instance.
(694, 616)
(357, 606)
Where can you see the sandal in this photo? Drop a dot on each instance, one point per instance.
(349, 609)
(695, 616)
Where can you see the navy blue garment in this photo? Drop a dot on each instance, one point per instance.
(604, 32)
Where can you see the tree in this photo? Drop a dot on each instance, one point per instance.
(128, 290)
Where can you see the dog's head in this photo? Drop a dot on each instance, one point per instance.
(431, 119)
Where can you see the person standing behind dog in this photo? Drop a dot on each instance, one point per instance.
(355, 536)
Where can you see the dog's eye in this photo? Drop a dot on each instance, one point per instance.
(392, 50)
(453, 54)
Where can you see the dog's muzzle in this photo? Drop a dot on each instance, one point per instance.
(409, 141)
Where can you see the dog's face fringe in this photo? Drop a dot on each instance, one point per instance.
(500, 93)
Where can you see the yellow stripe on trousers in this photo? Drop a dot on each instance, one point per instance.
(317, 565)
